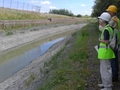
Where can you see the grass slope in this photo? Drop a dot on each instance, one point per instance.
(76, 66)
(12, 14)
(69, 67)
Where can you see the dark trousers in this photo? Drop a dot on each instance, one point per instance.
(115, 66)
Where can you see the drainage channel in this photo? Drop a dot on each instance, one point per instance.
(16, 59)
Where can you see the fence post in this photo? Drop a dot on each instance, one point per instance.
(27, 7)
(40, 9)
(10, 4)
(17, 5)
(23, 6)
(3, 3)
(33, 8)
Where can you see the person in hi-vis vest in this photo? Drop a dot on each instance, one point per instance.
(115, 23)
(105, 53)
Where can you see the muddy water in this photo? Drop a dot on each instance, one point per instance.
(17, 58)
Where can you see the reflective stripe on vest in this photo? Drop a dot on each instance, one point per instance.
(104, 47)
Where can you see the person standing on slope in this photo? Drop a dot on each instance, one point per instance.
(105, 53)
(114, 23)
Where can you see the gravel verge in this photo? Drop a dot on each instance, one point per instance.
(7, 42)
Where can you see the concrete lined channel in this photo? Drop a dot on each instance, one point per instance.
(18, 62)
(20, 57)
(14, 59)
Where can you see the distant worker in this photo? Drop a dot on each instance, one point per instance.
(105, 53)
(115, 23)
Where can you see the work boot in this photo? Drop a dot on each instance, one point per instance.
(106, 88)
(101, 85)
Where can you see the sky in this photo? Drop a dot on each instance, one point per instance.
(83, 7)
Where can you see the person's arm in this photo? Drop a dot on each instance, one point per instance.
(104, 41)
(106, 37)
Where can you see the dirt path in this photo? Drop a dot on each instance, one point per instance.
(25, 78)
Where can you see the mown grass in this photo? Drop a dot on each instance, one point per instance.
(7, 14)
(12, 14)
(70, 73)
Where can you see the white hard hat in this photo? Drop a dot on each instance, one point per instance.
(105, 16)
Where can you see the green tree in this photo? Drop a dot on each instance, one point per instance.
(61, 12)
(101, 6)
(79, 15)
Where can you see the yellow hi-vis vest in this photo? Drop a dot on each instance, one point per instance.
(117, 29)
(104, 51)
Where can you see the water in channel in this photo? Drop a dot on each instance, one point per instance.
(19, 61)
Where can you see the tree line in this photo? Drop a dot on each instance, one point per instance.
(101, 6)
(98, 7)
(63, 12)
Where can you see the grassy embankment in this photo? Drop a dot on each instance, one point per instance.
(72, 72)
(12, 14)
(80, 70)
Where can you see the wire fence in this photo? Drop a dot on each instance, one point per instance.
(9, 6)
(12, 4)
